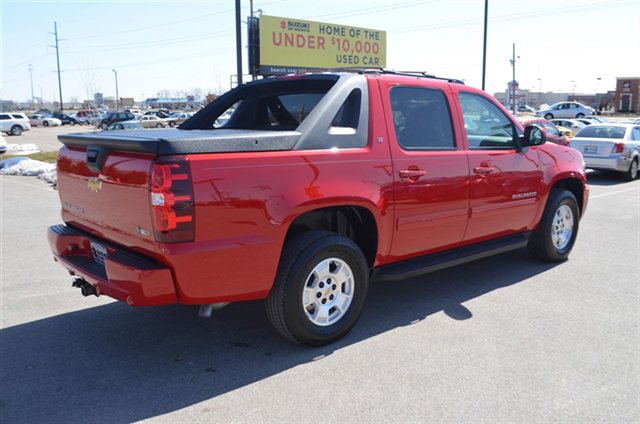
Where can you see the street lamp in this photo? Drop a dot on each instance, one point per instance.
(117, 97)
(573, 90)
(539, 92)
(597, 104)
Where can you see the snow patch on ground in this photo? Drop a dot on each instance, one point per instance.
(29, 167)
(22, 149)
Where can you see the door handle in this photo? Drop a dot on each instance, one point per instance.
(412, 174)
(484, 170)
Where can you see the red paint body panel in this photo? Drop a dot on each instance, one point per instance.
(125, 278)
(246, 202)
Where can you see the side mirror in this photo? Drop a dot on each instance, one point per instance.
(534, 135)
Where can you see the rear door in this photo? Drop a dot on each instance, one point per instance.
(430, 167)
(505, 181)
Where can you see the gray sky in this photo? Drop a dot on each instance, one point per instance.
(181, 45)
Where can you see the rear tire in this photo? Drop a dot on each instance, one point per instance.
(16, 130)
(556, 233)
(320, 288)
(632, 172)
(45, 123)
(172, 124)
(548, 116)
(158, 125)
(580, 115)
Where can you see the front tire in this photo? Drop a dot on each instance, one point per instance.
(45, 123)
(172, 124)
(158, 125)
(580, 115)
(320, 288)
(632, 172)
(548, 117)
(556, 233)
(16, 130)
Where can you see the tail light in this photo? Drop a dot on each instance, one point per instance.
(171, 197)
(618, 148)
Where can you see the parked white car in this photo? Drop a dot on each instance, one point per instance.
(3, 145)
(610, 147)
(47, 121)
(565, 110)
(14, 123)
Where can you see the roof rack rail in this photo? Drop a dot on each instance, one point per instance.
(421, 74)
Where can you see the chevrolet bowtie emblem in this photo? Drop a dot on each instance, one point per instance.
(94, 184)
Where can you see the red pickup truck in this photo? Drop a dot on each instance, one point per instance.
(316, 184)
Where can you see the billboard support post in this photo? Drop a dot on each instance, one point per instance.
(238, 43)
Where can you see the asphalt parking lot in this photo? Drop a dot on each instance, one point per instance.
(506, 339)
(46, 138)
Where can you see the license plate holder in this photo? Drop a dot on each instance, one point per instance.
(590, 149)
(99, 252)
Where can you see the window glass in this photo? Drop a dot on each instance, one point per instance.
(349, 113)
(635, 134)
(18, 117)
(551, 130)
(487, 127)
(3, 117)
(593, 131)
(289, 110)
(421, 119)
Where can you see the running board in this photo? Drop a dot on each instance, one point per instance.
(437, 261)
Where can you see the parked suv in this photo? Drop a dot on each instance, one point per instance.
(112, 117)
(14, 123)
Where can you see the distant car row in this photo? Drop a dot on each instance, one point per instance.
(149, 120)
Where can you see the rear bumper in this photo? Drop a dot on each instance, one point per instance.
(615, 162)
(125, 276)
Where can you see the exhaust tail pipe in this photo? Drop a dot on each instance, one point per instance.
(86, 288)
(207, 310)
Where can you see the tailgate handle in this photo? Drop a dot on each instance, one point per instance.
(96, 157)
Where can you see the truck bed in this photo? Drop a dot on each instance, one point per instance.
(176, 142)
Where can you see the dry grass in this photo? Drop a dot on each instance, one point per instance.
(49, 157)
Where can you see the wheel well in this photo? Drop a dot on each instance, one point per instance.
(354, 222)
(574, 186)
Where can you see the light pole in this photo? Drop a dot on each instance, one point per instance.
(539, 92)
(597, 89)
(117, 97)
(573, 90)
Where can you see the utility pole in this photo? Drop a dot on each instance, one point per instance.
(513, 81)
(238, 43)
(31, 78)
(117, 97)
(484, 47)
(55, 33)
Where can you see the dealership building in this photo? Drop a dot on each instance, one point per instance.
(627, 95)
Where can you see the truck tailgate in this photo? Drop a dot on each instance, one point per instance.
(112, 203)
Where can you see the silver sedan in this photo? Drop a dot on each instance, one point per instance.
(565, 110)
(610, 147)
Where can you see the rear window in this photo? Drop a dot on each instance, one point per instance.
(277, 105)
(603, 132)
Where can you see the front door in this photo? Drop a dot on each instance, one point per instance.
(505, 181)
(431, 172)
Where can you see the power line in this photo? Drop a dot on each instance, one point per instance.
(374, 9)
(162, 42)
(25, 62)
(511, 17)
(163, 60)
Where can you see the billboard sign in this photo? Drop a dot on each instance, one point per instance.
(293, 45)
